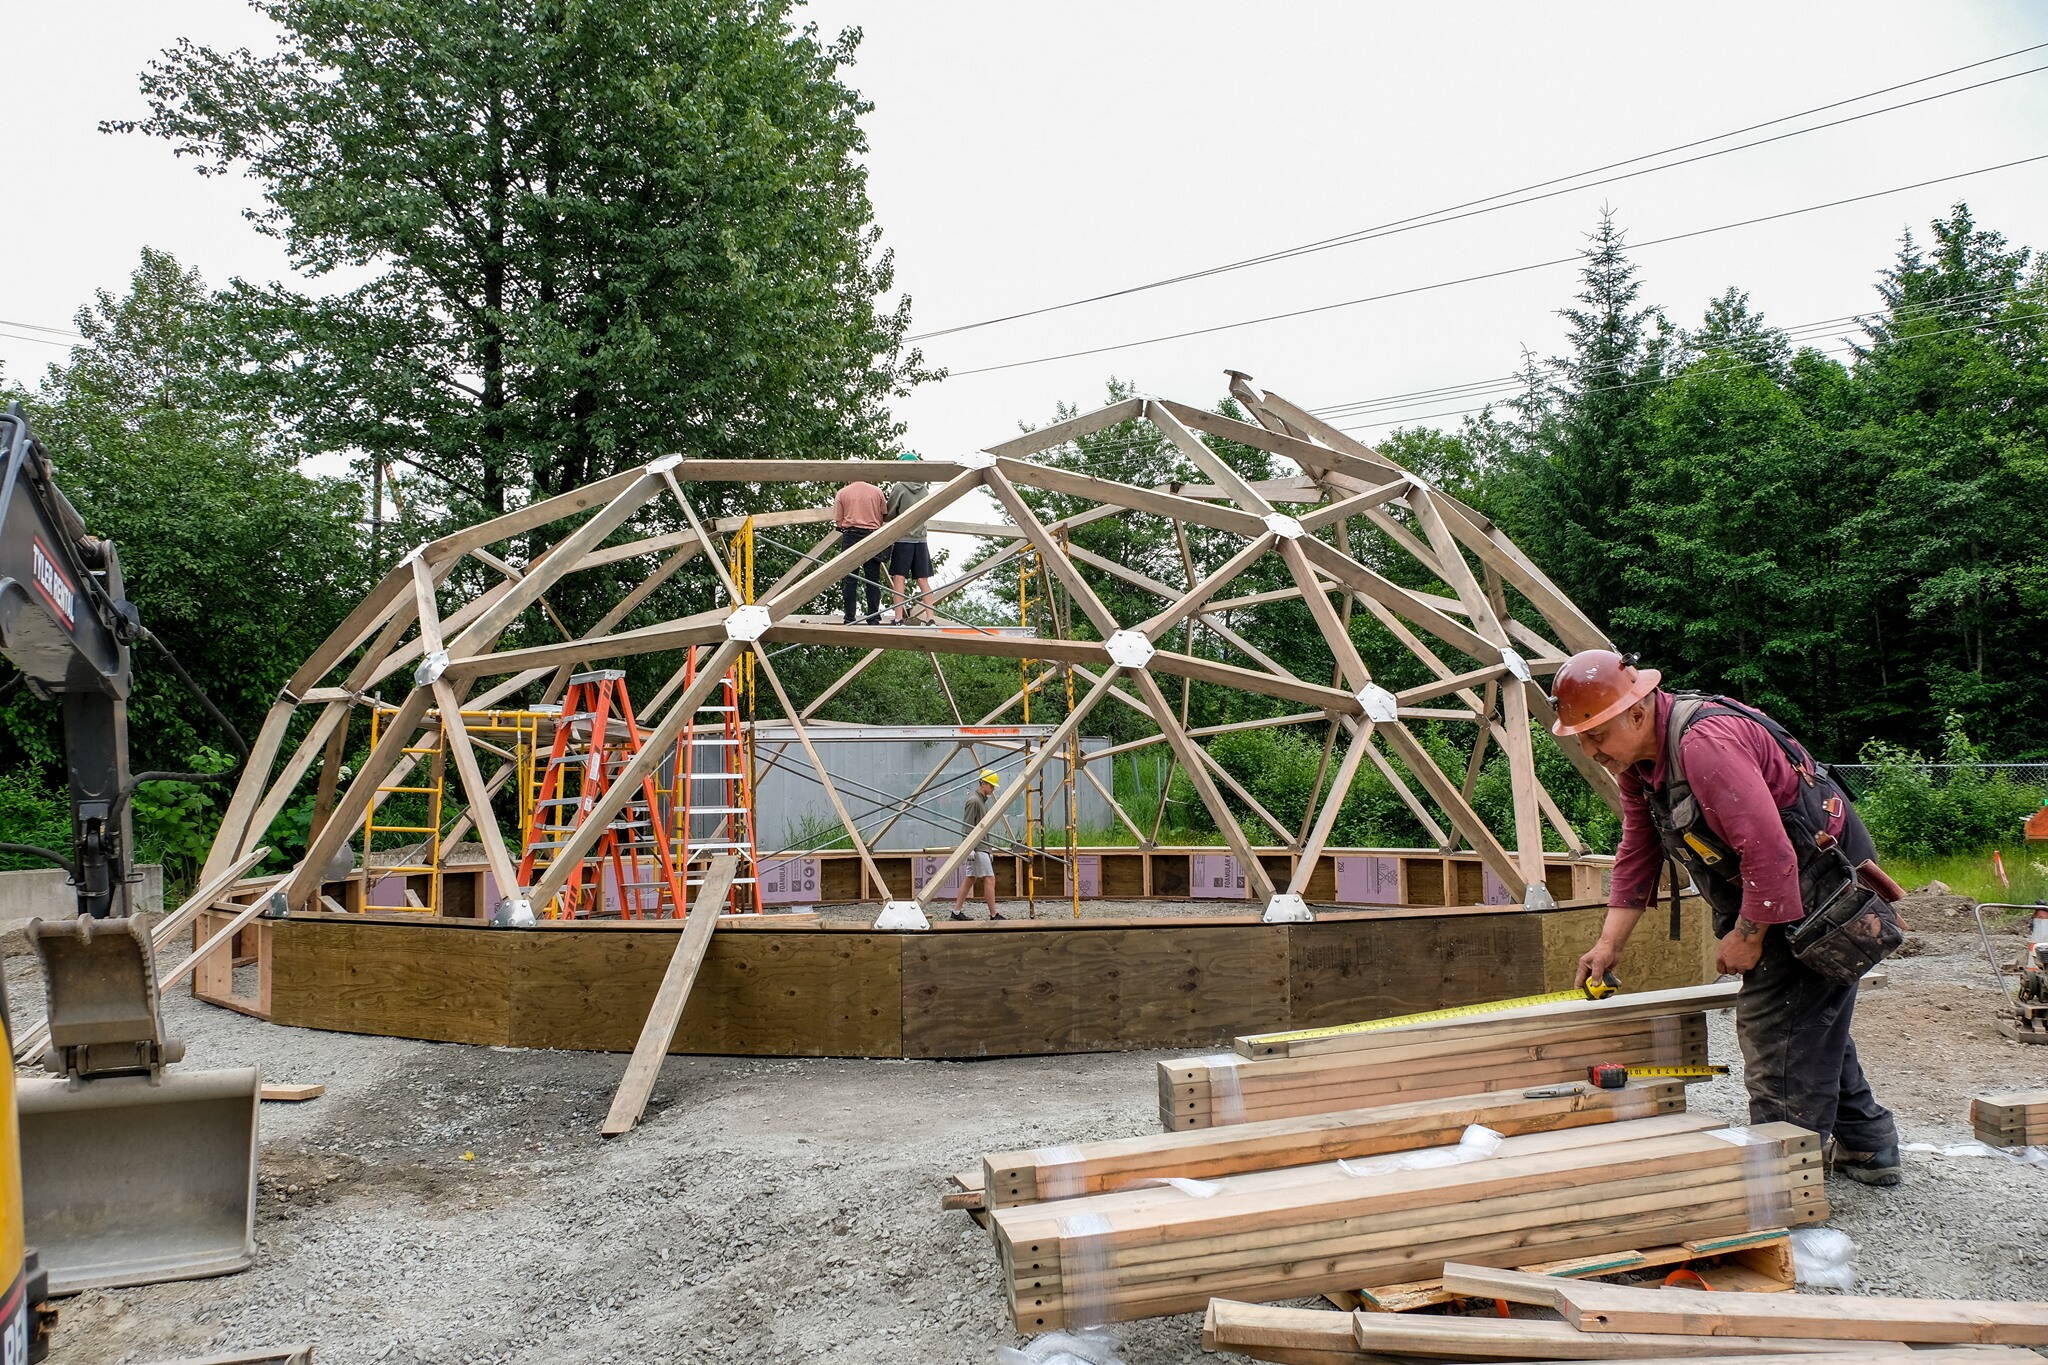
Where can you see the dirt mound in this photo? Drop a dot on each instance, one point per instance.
(1934, 903)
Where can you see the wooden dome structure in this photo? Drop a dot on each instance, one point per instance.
(427, 660)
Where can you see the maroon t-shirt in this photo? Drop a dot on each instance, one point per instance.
(1742, 781)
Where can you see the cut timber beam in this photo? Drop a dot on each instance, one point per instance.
(1594, 1307)
(1508, 1023)
(665, 1015)
(1044, 1173)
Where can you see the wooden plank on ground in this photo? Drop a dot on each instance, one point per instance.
(1493, 1338)
(291, 1094)
(630, 1100)
(1288, 1336)
(1594, 1307)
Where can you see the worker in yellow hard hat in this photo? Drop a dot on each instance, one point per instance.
(980, 861)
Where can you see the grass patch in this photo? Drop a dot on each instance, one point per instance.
(1971, 874)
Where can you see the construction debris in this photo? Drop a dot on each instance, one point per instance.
(2013, 1118)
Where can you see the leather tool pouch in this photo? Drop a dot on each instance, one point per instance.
(1851, 932)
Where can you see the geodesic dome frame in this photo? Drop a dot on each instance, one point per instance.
(1485, 663)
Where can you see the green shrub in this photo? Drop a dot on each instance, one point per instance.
(1911, 816)
(32, 811)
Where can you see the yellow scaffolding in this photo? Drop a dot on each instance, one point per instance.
(513, 736)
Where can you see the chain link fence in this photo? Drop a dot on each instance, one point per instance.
(1861, 776)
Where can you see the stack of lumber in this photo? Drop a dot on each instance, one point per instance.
(2013, 1118)
(1306, 1230)
(1273, 1076)
(1042, 1173)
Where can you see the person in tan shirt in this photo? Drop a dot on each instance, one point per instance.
(857, 509)
(911, 556)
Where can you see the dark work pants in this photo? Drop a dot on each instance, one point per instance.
(871, 572)
(1797, 1056)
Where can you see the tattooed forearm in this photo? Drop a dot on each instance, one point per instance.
(1748, 928)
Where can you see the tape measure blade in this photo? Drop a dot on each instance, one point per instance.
(1405, 1020)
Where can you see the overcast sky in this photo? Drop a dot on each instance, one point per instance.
(1024, 155)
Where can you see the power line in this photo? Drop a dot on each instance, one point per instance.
(1490, 274)
(1719, 369)
(1434, 216)
(38, 327)
(1797, 331)
(40, 341)
(1129, 447)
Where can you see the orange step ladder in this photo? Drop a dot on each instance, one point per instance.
(631, 870)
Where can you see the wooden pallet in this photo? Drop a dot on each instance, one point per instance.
(1757, 1262)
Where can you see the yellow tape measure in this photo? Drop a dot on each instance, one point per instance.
(1592, 990)
(1613, 1075)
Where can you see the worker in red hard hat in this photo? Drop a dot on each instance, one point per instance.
(1769, 837)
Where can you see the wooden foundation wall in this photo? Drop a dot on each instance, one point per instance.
(980, 990)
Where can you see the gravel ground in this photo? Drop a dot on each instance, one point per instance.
(453, 1204)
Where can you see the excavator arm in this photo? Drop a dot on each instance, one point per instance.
(66, 624)
(128, 1172)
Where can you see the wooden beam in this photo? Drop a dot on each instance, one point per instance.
(1312, 851)
(803, 736)
(1131, 497)
(665, 1015)
(1186, 750)
(1207, 460)
(1055, 559)
(1048, 749)
(702, 628)
(1059, 433)
(1190, 604)
(543, 574)
(1592, 1306)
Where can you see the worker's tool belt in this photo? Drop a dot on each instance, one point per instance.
(1847, 928)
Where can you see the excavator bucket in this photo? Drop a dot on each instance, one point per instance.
(132, 1172)
(129, 1181)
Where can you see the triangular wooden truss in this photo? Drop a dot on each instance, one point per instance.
(1485, 662)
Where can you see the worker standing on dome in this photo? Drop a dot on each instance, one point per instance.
(1771, 840)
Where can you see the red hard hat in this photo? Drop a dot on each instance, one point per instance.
(1595, 686)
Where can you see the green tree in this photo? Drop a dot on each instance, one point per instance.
(235, 559)
(1950, 541)
(560, 238)
(1584, 425)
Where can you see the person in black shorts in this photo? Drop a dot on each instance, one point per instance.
(910, 557)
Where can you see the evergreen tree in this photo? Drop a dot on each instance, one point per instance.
(1951, 390)
(1731, 326)
(1576, 475)
(234, 558)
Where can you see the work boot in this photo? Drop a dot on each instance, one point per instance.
(1881, 1167)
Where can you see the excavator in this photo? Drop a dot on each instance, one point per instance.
(117, 1168)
